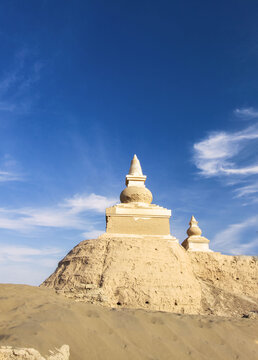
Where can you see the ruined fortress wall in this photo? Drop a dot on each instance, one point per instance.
(156, 274)
(129, 272)
(234, 274)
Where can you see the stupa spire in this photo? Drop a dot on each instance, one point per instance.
(193, 220)
(135, 176)
(135, 168)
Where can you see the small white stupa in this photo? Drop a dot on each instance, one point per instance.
(135, 215)
(195, 242)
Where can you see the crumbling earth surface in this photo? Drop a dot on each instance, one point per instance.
(157, 274)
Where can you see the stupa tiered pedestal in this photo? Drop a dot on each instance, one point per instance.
(138, 219)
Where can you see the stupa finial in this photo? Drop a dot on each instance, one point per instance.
(135, 168)
(193, 220)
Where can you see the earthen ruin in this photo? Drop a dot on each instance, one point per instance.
(137, 263)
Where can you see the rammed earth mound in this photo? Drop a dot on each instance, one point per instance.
(137, 263)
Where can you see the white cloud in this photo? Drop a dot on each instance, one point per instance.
(250, 191)
(245, 248)
(234, 240)
(8, 176)
(24, 254)
(27, 265)
(248, 170)
(68, 214)
(8, 169)
(216, 155)
(233, 157)
(16, 85)
(23, 264)
(80, 203)
(246, 113)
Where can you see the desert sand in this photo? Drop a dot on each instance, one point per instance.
(41, 319)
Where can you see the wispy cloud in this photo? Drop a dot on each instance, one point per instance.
(249, 191)
(80, 203)
(8, 170)
(24, 264)
(68, 214)
(25, 254)
(233, 157)
(217, 154)
(16, 84)
(8, 176)
(237, 239)
(246, 113)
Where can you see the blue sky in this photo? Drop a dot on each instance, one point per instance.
(86, 84)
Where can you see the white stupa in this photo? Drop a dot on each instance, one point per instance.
(194, 241)
(135, 215)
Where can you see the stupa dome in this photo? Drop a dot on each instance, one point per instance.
(194, 229)
(136, 194)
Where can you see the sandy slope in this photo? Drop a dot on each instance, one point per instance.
(38, 318)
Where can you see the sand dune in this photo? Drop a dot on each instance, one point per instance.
(39, 318)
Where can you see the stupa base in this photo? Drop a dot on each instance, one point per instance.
(196, 243)
(138, 219)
